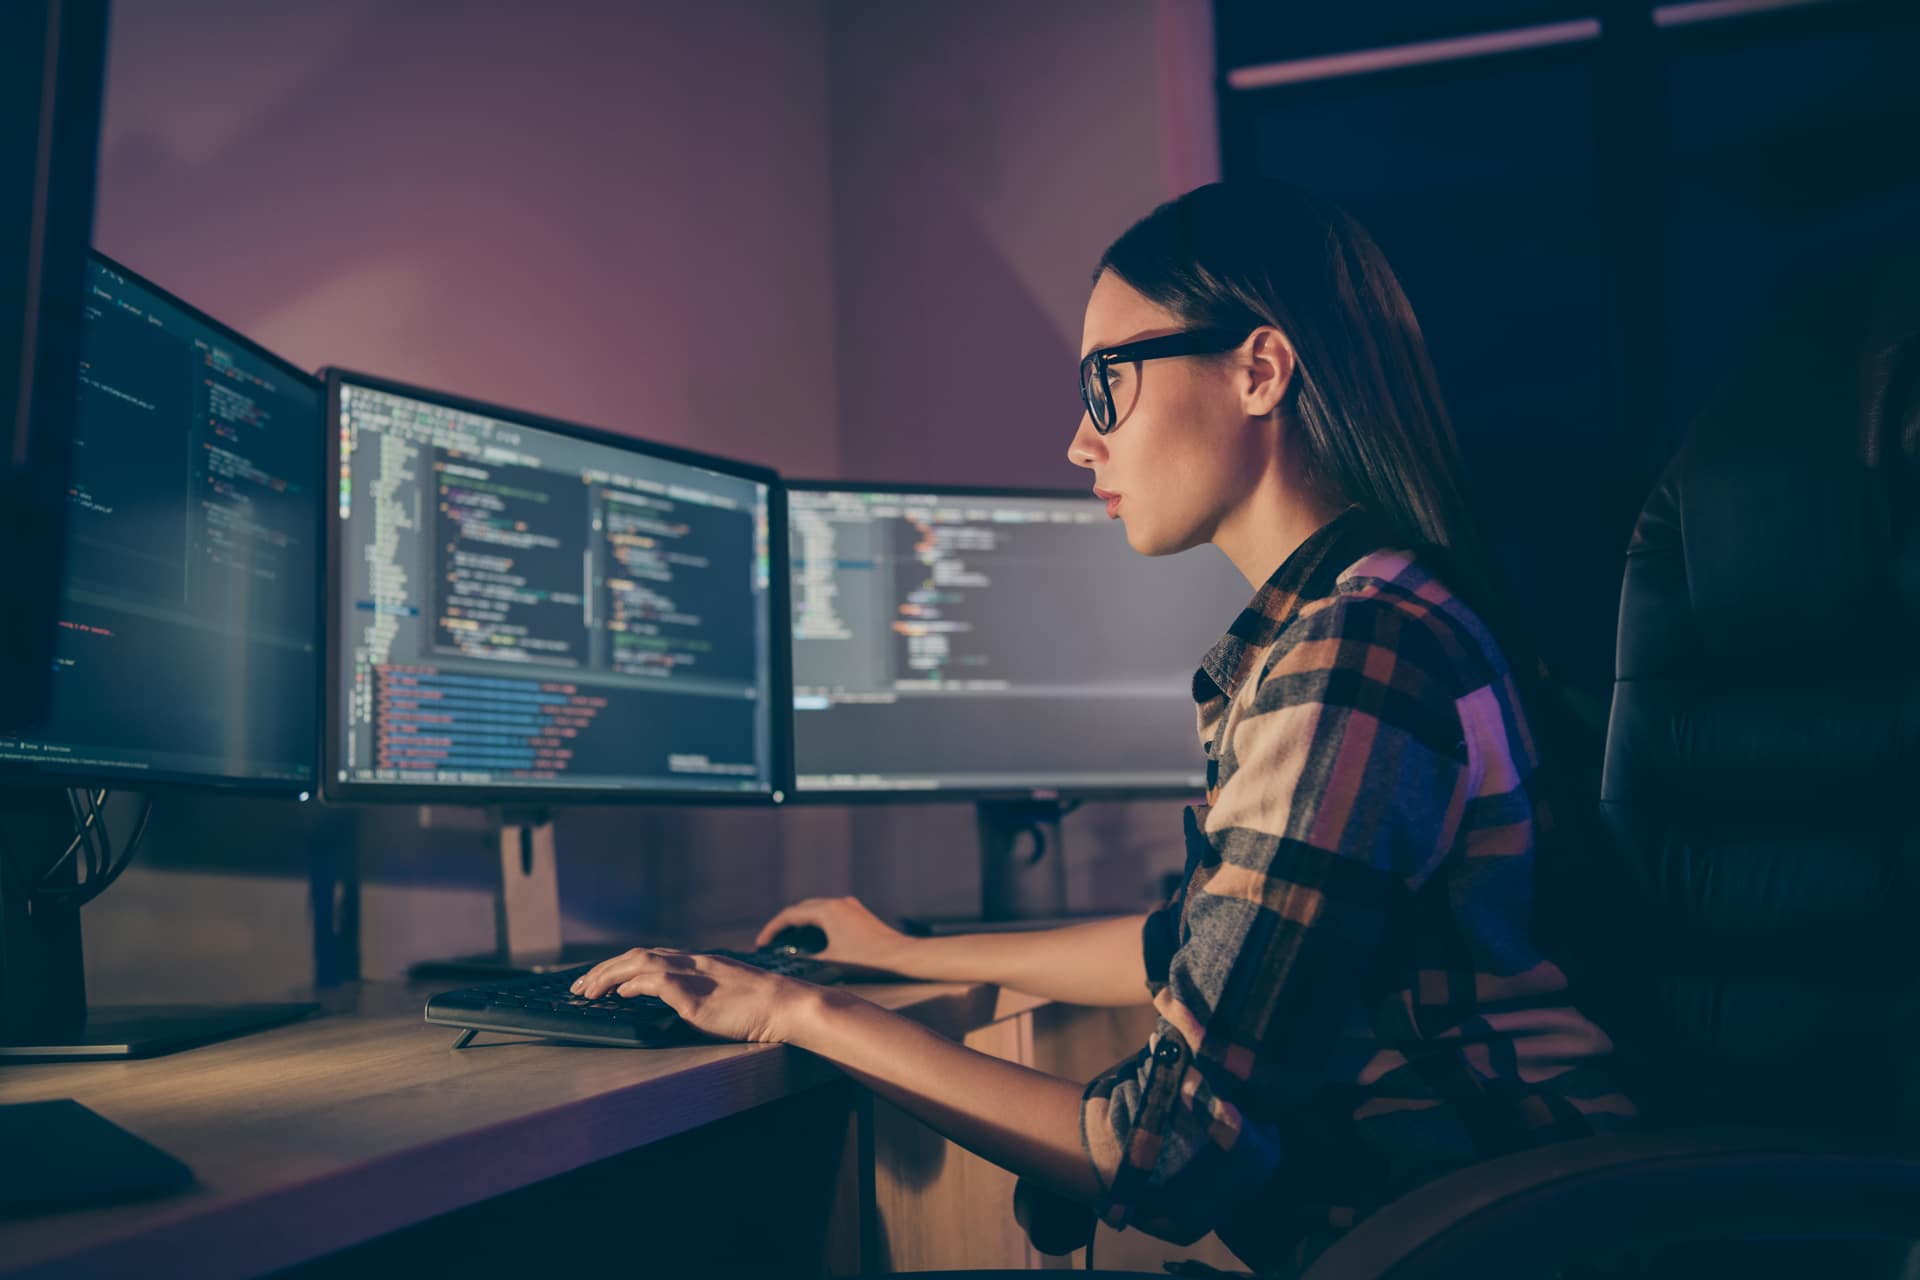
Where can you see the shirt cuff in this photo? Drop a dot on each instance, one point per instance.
(1103, 1153)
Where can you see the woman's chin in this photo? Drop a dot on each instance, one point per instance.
(1149, 541)
(1142, 539)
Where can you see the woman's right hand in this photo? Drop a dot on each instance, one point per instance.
(855, 936)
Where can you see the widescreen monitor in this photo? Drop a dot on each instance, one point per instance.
(953, 644)
(187, 649)
(523, 609)
(52, 64)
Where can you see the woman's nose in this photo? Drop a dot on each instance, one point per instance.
(1086, 448)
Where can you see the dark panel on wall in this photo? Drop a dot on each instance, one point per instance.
(1795, 159)
(1480, 188)
(1591, 233)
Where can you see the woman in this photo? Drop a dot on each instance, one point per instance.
(1350, 998)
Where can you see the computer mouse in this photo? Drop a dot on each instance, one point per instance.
(798, 940)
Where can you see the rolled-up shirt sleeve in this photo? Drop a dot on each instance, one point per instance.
(1342, 783)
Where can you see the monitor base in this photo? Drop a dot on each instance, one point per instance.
(151, 1031)
(1022, 883)
(526, 909)
(494, 964)
(44, 1013)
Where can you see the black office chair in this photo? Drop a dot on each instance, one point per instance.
(1762, 797)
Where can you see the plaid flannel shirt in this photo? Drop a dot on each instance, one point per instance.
(1350, 998)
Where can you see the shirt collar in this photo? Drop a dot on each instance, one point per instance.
(1310, 573)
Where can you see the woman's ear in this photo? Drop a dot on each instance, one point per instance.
(1269, 371)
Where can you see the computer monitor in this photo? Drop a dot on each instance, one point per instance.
(187, 650)
(968, 643)
(52, 63)
(188, 644)
(525, 611)
(994, 645)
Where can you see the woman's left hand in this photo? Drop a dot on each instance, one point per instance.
(720, 997)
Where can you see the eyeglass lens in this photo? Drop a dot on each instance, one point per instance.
(1093, 389)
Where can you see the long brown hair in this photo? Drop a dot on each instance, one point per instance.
(1364, 395)
(1368, 407)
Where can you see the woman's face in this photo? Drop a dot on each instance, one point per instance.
(1180, 457)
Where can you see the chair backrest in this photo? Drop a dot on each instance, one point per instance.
(1761, 787)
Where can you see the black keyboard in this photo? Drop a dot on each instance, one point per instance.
(544, 1005)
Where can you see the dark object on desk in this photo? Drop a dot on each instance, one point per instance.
(545, 1005)
(148, 1031)
(60, 1154)
(798, 940)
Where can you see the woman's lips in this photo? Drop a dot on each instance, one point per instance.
(1113, 502)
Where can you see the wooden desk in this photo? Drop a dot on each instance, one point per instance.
(312, 1138)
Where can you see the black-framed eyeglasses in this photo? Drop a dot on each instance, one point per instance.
(1096, 392)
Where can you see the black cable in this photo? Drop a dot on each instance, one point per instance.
(126, 855)
(82, 841)
(83, 831)
(96, 854)
(74, 844)
(94, 889)
(80, 895)
(1090, 1238)
(99, 811)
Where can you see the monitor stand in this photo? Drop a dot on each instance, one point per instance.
(526, 909)
(1020, 888)
(43, 990)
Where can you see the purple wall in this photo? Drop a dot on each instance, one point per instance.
(984, 154)
(610, 212)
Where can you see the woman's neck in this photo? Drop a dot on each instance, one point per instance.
(1266, 528)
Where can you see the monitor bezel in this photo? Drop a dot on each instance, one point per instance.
(334, 790)
(15, 773)
(1069, 792)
